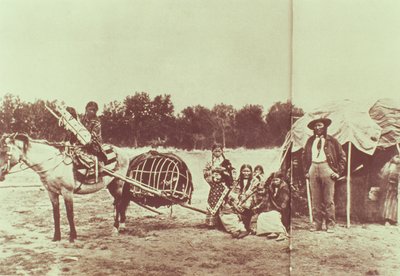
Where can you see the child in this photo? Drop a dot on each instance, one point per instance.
(259, 173)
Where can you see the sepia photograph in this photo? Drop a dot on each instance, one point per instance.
(228, 137)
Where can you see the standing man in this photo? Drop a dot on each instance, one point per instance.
(324, 161)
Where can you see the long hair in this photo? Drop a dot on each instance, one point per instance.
(216, 146)
(241, 178)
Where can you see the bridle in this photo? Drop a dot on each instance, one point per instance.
(8, 166)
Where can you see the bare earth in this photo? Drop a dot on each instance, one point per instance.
(176, 244)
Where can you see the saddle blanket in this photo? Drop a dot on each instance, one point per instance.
(86, 166)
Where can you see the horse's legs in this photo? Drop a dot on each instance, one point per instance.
(124, 202)
(69, 206)
(116, 218)
(56, 215)
(117, 190)
(114, 191)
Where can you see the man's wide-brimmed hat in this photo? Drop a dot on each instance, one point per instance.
(325, 121)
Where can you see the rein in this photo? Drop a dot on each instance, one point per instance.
(32, 166)
(42, 171)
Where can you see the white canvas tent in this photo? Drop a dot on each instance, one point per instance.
(386, 112)
(355, 124)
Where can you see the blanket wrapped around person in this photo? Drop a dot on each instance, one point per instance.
(270, 208)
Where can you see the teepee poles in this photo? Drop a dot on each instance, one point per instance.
(309, 201)
(348, 188)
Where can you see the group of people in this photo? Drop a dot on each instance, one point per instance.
(251, 204)
(246, 204)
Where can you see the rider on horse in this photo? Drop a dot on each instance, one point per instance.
(88, 151)
(93, 125)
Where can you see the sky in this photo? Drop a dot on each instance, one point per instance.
(200, 51)
(345, 49)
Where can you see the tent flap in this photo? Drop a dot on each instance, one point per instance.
(386, 113)
(350, 123)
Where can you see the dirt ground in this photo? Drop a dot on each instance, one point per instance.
(175, 243)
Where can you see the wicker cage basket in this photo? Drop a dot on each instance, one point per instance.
(164, 172)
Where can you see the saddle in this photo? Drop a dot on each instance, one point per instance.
(87, 167)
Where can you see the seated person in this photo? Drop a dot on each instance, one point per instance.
(246, 186)
(279, 196)
(93, 125)
(230, 215)
(268, 202)
(221, 205)
(84, 155)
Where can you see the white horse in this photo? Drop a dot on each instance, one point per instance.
(55, 169)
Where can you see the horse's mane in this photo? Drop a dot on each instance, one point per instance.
(26, 139)
(45, 142)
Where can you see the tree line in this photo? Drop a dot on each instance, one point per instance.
(140, 120)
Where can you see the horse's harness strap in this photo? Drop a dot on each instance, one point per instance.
(8, 168)
(9, 147)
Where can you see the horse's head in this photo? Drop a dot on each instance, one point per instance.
(12, 149)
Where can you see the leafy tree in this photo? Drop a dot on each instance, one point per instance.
(279, 121)
(137, 113)
(115, 124)
(42, 123)
(196, 126)
(140, 120)
(31, 118)
(161, 120)
(9, 104)
(224, 118)
(251, 127)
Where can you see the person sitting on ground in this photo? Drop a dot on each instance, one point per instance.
(229, 214)
(279, 197)
(221, 205)
(259, 204)
(246, 186)
(245, 178)
(269, 201)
